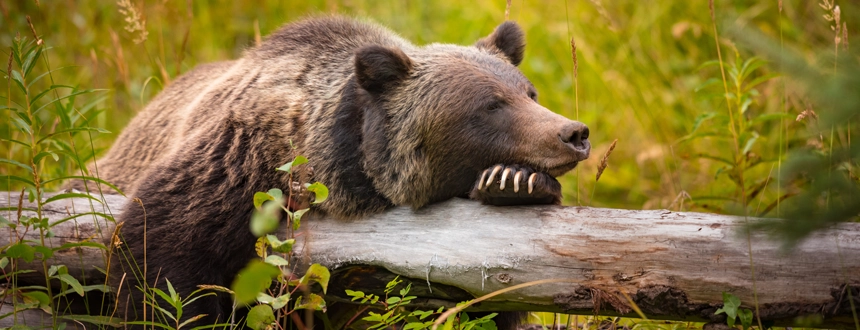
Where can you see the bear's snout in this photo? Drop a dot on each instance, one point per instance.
(575, 135)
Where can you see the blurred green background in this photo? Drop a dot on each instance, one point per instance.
(643, 78)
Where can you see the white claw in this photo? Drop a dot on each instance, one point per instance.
(517, 181)
(532, 182)
(481, 181)
(493, 175)
(504, 178)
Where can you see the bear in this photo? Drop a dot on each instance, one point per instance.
(383, 122)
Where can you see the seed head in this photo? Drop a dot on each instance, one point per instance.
(605, 161)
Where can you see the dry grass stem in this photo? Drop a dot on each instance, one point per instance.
(808, 113)
(135, 23)
(573, 54)
(780, 6)
(33, 29)
(845, 35)
(507, 9)
(605, 161)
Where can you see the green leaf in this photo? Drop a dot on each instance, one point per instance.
(252, 280)
(316, 273)
(320, 192)
(276, 193)
(74, 216)
(45, 251)
(97, 320)
(70, 245)
(65, 97)
(41, 297)
(17, 178)
(730, 307)
(392, 300)
(281, 301)
(260, 317)
(72, 282)
(748, 146)
(70, 130)
(746, 316)
(280, 246)
(310, 301)
(16, 76)
(260, 198)
(30, 61)
(264, 298)
(21, 251)
(23, 126)
(16, 163)
(87, 178)
(276, 260)
(266, 219)
(4, 262)
(44, 154)
(71, 195)
(355, 294)
(288, 167)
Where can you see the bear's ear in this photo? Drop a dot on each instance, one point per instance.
(378, 68)
(507, 38)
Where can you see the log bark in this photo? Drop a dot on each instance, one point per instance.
(671, 265)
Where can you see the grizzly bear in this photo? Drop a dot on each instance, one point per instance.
(382, 121)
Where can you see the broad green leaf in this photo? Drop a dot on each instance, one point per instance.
(23, 251)
(730, 307)
(22, 125)
(310, 301)
(297, 218)
(280, 246)
(288, 167)
(316, 273)
(260, 317)
(45, 251)
(264, 298)
(265, 220)
(281, 301)
(72, 282)
(4, 262)
(40, 297)
(260, 198)
(71, 195)
(276, 260)
(276, 193)
(252, 280)
(320, 192)
(746, 317)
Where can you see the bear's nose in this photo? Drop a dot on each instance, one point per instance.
(575, 134)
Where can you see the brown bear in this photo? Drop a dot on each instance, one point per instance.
(383, 122)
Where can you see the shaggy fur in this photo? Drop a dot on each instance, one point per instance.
(383, 123)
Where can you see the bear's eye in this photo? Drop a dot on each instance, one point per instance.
(494, 106)
(533, 96)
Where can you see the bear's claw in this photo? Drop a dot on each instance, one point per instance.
(541, 187)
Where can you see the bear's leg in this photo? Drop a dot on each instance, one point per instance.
(515, 185)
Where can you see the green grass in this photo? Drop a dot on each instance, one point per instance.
(638, 70)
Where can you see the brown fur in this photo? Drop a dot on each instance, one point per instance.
(383, 123)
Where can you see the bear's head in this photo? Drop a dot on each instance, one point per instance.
(436, 116)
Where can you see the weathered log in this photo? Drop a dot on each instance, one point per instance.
(672, 265)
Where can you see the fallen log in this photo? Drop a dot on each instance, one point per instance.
(671, 265)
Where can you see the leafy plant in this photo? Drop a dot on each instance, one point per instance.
(731, 307)
(394, 311)
(273, 270)
(44, 124)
